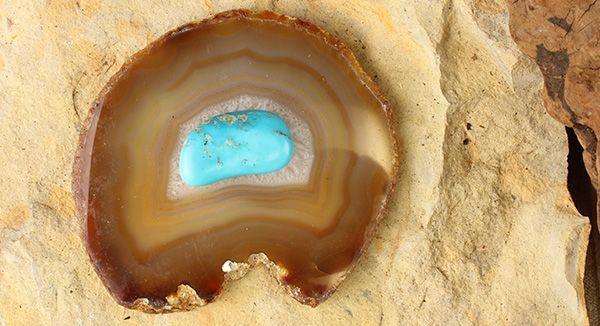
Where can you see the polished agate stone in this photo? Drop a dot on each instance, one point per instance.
(235, 144)
(161, 244)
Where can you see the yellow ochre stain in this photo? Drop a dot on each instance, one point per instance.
(385, 18)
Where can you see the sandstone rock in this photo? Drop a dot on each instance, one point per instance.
(482, 228)
(563, 37)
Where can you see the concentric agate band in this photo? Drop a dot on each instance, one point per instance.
(147, 234)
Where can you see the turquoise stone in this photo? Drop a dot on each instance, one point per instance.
(235, 144)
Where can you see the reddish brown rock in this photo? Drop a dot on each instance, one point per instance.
(563, 37)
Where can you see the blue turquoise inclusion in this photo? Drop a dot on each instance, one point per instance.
(235, 144)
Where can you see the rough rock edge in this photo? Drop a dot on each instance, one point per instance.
(584, 241)
(553, 42)
(186, 297)
(550, 33)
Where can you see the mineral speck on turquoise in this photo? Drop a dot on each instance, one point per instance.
(235, 144)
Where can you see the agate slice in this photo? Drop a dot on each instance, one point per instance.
(160, 244)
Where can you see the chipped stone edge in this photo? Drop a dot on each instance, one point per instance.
(186, 298)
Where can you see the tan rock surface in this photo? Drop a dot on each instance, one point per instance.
(482, 229)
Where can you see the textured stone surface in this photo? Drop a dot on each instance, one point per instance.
(564, 40)
(482, 230)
